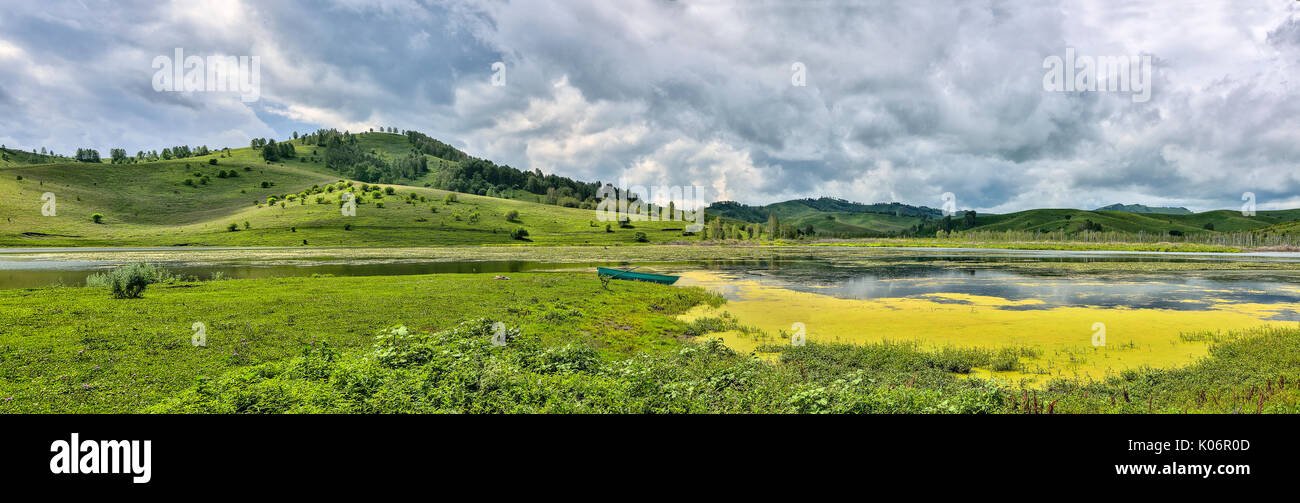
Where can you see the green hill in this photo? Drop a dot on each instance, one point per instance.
(1141, 208)
(11, 157)
(832, 217)
(151, 204)
(838, 218)
(1071, 220)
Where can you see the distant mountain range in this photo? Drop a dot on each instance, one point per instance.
(1142, 208)
(831, 217)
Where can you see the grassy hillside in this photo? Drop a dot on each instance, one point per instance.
(11, 157)
(1071, 220)
(150, 204)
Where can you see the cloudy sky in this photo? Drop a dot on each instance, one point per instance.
(902, 101)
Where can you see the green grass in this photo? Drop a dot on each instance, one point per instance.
(579, 349)
(76, 349)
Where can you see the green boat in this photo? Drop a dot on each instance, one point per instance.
(605, 274)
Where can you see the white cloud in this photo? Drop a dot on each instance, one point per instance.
(903, 100)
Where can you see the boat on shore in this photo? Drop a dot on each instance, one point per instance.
(605, 274)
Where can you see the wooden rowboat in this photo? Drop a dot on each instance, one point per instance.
(605, 274)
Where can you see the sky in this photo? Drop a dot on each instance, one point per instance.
(900, 101)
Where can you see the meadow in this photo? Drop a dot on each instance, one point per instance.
(426, 344)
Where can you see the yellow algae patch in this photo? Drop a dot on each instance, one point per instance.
(1062, 337)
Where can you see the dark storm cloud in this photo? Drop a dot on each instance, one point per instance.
(903, 100)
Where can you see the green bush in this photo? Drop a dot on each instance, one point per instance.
(512, 216)
(97, 218)
(232, 227)
(129, 281)
(640, 237)
(519, 234)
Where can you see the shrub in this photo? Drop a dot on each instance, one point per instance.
(266, 185)
(347, 227)
(389, 190)
(97, 218)
(640, 237)
(128, 281)
(232, 227)
(512, 216)
(246, 224)
(212, 161)
(520, 234)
